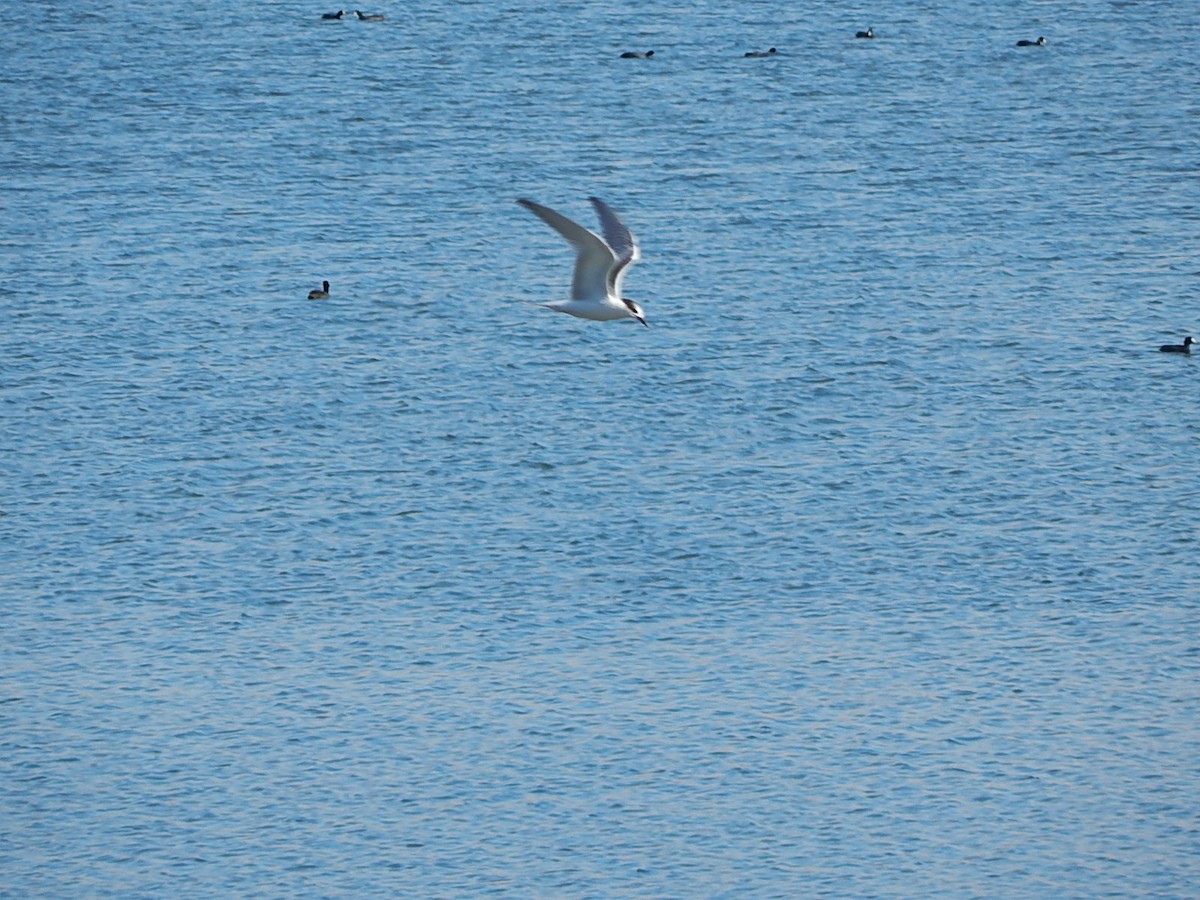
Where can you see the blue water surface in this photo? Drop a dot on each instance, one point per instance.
(868, 570)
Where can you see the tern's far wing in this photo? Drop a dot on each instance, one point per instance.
(619, 238)
(594, 260)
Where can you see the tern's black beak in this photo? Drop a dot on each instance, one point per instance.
(635, 311)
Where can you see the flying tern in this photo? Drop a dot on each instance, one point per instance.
(600, 264)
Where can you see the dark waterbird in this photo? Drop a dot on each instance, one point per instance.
(869, 33)
(760, 54)
(336, 15)
(322, 294)
(633, 54)
(1040, 42)
(1185, 347)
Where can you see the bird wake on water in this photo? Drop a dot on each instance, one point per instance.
(600, 264)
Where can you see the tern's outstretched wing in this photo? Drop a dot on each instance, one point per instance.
(595, 258)
(620, 239)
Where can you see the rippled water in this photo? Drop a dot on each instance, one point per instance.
(867, 571)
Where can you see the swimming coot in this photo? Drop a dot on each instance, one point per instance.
(1185, 347)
